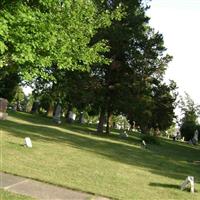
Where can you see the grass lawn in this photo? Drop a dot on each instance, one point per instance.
(72, 156)
(5, 195)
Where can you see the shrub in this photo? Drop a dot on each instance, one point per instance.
(150, 139)
(187, 129)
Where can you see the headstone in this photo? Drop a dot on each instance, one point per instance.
(118, 126)
(81, 118)
(27, 142)
(182, 139)
(144, 144)
(152, 132)
(188, 181)
(195, 138)
(124, 134)
(157, 132)
(57, 114)
(178, 135)
(72, 116)
(3, 108)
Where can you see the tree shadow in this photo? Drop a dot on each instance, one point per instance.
(165, 185)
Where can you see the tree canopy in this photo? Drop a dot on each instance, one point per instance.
(35, 35)
(100, 56)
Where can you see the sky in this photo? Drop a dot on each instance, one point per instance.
(179, 22)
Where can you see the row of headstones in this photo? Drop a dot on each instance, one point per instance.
(189, 181)
(58, 113)
(3, 108)
(56, 117)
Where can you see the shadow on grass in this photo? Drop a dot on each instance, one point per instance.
(166, 160)
(171, 186)
(163, 185)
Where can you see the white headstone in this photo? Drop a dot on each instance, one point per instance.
(72, 115)
(144, 143)
(27, 142)
(195, 138)
(188, 180)
(182, 139)
(57, 114)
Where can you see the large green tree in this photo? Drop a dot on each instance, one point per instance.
(190, 112)
(35, 34)
(138, 58)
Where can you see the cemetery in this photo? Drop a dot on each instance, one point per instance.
(92, 106)
(67, 155)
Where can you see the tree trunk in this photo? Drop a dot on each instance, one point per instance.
(50, 111)
(144, 129)
(101, 121)
(132, 123)
(108, 122)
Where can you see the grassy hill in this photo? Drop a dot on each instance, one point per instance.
(74, 156)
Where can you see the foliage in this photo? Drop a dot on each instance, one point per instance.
(164, 97)
(187, 129)
(37, 34)
(150, 139)
(19, 95)
(190, 113)
(138, 65)
(9, 80)
(189, 109)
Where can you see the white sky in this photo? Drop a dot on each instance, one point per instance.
(179, 22)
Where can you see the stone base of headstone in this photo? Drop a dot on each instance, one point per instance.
(188, 181)
(124, 134)
(57, 120)
(3, 116)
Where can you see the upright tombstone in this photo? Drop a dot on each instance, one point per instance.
(188, 181)
(3, 108)
(195, 138)
(57, 115)
(72, 116)
(144, 144)
(81, 118)
(27, 142)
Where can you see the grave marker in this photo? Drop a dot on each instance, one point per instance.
(27, 142)
(188, 180)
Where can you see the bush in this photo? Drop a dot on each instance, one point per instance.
(150, 139)
(187, 129)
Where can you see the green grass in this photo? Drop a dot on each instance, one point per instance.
(73, 156)
(5, 195)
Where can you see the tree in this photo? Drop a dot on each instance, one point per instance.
(38, 34)
(9, 80)
(138, 58)
(118, 36)
(19, 98)
(164, 98)
(189, 121)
